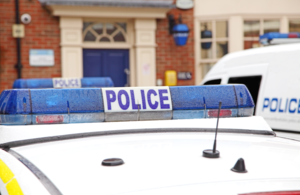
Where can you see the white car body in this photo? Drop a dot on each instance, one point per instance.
(278, 99)
(161, 157)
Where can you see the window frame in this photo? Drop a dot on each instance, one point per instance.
(261, 28)
(105, 34)
(213, 40)
(210, 62)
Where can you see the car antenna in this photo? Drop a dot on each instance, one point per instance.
(214, 153)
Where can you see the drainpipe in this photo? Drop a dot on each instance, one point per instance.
(18, 65)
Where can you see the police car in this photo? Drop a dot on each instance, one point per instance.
(141, 140)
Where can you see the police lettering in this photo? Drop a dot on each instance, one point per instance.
(65, 83)
(143, 99)
(282, 105)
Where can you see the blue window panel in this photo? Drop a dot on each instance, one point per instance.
(32, 83)
(15, 102)
(82, 100)
(188, 114)
(244, 97)
(194, 97)
(92, 63)
(97, 82)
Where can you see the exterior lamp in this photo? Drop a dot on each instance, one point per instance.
(206, 34)
(180, 34)
(179, 31)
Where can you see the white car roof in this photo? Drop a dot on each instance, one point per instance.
(161, 145)
(160, 156)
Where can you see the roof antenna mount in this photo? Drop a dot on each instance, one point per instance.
(214, 153)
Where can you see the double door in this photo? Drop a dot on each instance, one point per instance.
(113, 63)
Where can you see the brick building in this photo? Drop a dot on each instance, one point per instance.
(85, 35)
(106, 37)
(42, 33)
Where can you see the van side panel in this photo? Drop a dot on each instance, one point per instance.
(279, 94)
(280, 100)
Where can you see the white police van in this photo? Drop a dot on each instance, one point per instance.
(147, 140)
(272, 77)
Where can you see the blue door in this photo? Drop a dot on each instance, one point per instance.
(106, 63)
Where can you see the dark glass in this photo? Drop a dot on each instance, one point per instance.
(222, 48)
(251, 44)
(123, 25)
(251, 28)
(222, 29)
(89, 37)
(98, 28)
(119, 37)
(252, 83)
(271, 26)
(110, 28)
(294, 26)
(104, 39)
(85, 25)
(213, 82)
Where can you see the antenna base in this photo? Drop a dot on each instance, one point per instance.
(210, 154)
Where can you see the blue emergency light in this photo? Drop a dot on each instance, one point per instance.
(279, 38)
(44, 106)
(49, 83)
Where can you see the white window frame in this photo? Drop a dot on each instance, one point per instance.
(213, 40)
(261, 27)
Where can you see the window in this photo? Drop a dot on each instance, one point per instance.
(254, 28)
(213, 82)
(294, 25)
(104, 32)
(213, 43)
(206, 67)
(252, 83)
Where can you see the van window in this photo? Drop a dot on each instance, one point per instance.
(252, 83)
(213, 82)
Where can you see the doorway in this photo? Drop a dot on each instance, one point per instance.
(113, 63)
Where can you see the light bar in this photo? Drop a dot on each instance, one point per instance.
(44, 106)
(63, 83)
(279, 38)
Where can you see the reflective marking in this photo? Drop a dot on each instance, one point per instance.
(13, 188)
(6, 175)
(5, 172)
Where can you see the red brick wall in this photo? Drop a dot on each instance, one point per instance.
(42, 33)
(172, 57)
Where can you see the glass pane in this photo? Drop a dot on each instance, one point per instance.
(271, 26)
(294, 26)
(89, 37)
(222, 48)
(251, 28)
(222, 29)
(122, 25)
(206, 67)
(98, 28)
(85, 25)
(110, 28)
(104, 39)
(206, 53)
(206, 30)
(251, 44)
(119, 37)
